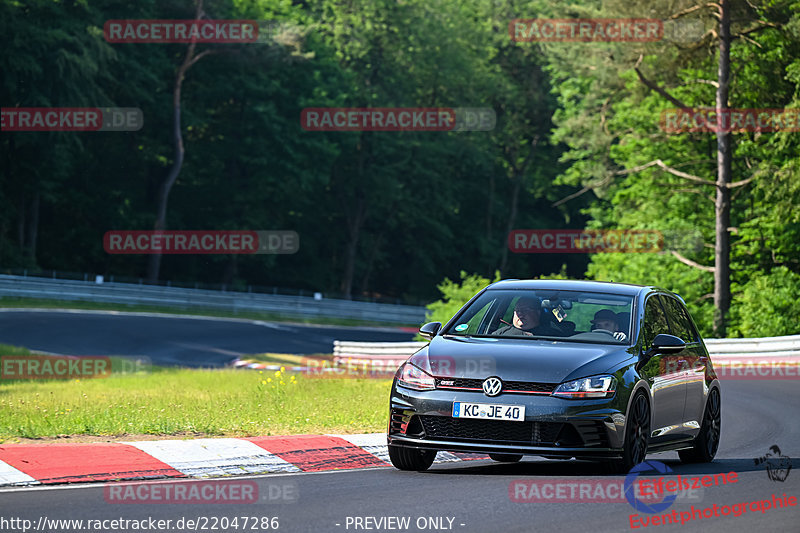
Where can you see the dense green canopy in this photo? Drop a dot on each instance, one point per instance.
(391, 214)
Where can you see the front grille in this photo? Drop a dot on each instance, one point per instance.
(508, 386)
(529, 386)
(461, 383)
(593, 433)
(398, 421)
(490, 431)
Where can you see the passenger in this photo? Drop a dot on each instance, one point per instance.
(605, 320)
(527, 320)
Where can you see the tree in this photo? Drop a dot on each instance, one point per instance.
(682, 69)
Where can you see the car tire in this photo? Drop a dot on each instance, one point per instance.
(411, 458)
(505, 457)
(637, 435)
(705, 444)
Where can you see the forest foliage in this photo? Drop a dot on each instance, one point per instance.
(392, 214)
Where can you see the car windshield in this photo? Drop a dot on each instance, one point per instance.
(575, 316)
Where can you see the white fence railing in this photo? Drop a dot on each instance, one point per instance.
(235, 302)
(772, 347)
(720, 349)
(385, 352)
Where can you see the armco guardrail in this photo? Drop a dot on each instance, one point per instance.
(721, 349)
(235, 302)
(374, 351)
(754, 348)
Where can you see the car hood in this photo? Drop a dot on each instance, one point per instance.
(518, 359)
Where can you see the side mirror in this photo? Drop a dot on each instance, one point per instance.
(430, 329)
(662, 344)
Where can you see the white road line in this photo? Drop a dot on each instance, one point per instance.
(11, 476)
(214, 457)
(375, 443)
(89, 485)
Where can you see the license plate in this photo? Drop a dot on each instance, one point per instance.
(488, 411)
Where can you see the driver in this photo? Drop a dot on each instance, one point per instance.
(605, 321)
(526, 321)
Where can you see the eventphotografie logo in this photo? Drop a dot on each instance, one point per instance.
(778, 465)
(181, 31)
(71, 119)
(712, 120)
(201, 242)
(398, 119)
(639, 503)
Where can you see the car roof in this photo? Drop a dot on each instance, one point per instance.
(626, 289)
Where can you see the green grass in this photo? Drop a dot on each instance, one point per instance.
(6, 349)
(188, 402)
(286, 359)
(25, 303)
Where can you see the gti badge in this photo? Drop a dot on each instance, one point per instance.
(492, 386)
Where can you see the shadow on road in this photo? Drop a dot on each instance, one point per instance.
(551, 468)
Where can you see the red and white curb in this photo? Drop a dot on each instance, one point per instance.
(34, 464)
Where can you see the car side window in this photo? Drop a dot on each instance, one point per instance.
(655, 322)
(679, 320)
(475, 322)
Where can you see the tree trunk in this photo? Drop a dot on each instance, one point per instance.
(373, 253)
(355, 222)
(33, 226)
(231, 270)
(154, 263)
(489, 208)
(21, 219)
(512, 219)
(356, 215)
(518, 174)
(28, 224)
(722, 250)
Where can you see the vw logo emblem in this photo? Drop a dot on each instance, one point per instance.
(492, 386)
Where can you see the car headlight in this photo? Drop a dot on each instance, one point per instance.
(593, 387)
(411, 377)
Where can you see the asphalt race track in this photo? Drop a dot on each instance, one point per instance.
(756, 415)
(185, 341)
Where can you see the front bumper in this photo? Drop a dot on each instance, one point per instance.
(553, 426)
